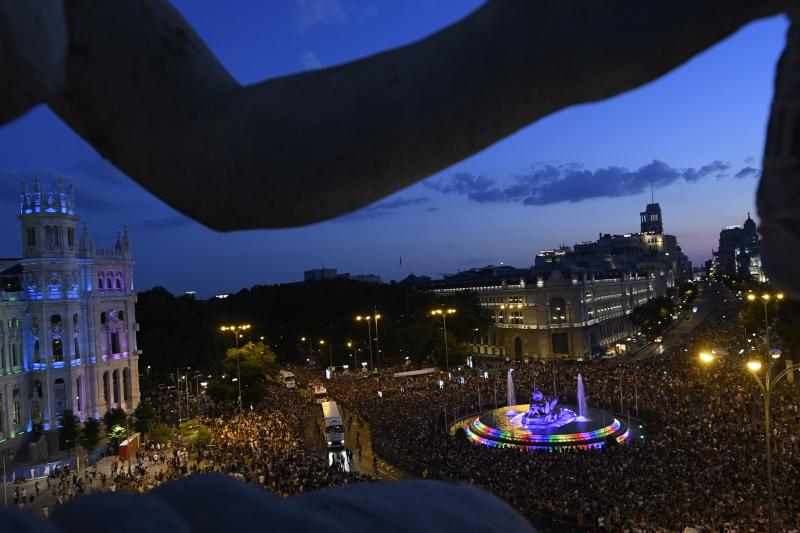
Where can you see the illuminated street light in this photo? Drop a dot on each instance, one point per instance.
(443, 313)
(706, 357)
(368, 319)
(754, 365)
(235, 329)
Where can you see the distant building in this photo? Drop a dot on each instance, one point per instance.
(574, 301)
(738, 254)
(323, 274)
(319, 274)
(67, 321)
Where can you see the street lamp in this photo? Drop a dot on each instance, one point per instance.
(368, 320)
(235, 329)
(330, 350)
(765, 298)
(767, 386)
(443, 313)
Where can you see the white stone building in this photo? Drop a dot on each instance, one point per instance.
(67, 321)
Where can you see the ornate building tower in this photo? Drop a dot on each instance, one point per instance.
(68, 334)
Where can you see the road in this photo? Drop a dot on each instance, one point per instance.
(356, 433)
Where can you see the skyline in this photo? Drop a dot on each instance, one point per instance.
(690, 133)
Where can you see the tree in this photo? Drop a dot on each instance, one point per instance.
(115, 422)
(195, 434)
(89, 438)
(256, 363)
(68, 432)
(145, 417)
(115, 417)
(162, 433)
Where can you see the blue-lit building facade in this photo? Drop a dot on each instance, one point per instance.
(68, 326)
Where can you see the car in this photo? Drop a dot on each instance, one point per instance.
(659, 339)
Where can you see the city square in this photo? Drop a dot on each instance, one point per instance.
(447, 314)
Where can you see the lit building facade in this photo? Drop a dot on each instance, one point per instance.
(574, 301)
(67, 321)
(552, 314)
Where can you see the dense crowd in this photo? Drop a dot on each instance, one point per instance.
(699, 464)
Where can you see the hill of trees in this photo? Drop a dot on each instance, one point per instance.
(179, 331)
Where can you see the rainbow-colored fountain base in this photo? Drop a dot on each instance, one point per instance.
(502, 428)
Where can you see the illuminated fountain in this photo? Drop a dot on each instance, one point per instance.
(544, 424)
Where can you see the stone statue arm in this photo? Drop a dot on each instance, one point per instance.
(144, 89)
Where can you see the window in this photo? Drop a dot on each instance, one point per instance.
(55, 323)
(31, 232)
(77, 354)
(14, 354)
(71, 237)
(120, 315)
(16, 413)
(109, 279)
(103, 317)
(58, 350)
(118, 283)
(99, 280)
(36, 355)
(558, 311)
(75, 319)
(105, 386)
(115, 342)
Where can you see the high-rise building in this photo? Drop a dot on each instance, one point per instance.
(738, 253)
(67, 321)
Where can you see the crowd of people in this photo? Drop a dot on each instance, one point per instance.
(700, 462)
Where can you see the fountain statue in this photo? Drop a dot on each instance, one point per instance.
(542, 410)
(581, 400)
(512, 395)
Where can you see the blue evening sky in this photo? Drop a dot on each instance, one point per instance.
(574, 174)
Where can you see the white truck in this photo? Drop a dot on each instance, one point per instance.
(334, 428)
(286, 379)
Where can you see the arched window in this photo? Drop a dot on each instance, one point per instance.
(58, 350)
(109, 279)
(99, 280)
(118, 283)
(558, 310)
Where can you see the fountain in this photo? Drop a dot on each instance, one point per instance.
(512, 396)
(581, 400)
(543, 424)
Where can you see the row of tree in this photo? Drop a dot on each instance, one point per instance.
(180, 331)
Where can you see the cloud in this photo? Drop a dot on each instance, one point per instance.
(748, 172)
(310, 61)
(319, 12)
(381, 209)
(570, 182)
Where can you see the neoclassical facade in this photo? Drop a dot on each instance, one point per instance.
(67, 320)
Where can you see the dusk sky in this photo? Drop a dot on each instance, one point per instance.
(697, 134)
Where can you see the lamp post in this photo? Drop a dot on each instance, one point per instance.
(368, 320)
(330, 350)
(377, 317)
(443, 313)
(235, 329)
(767, 386)
(765, 298)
